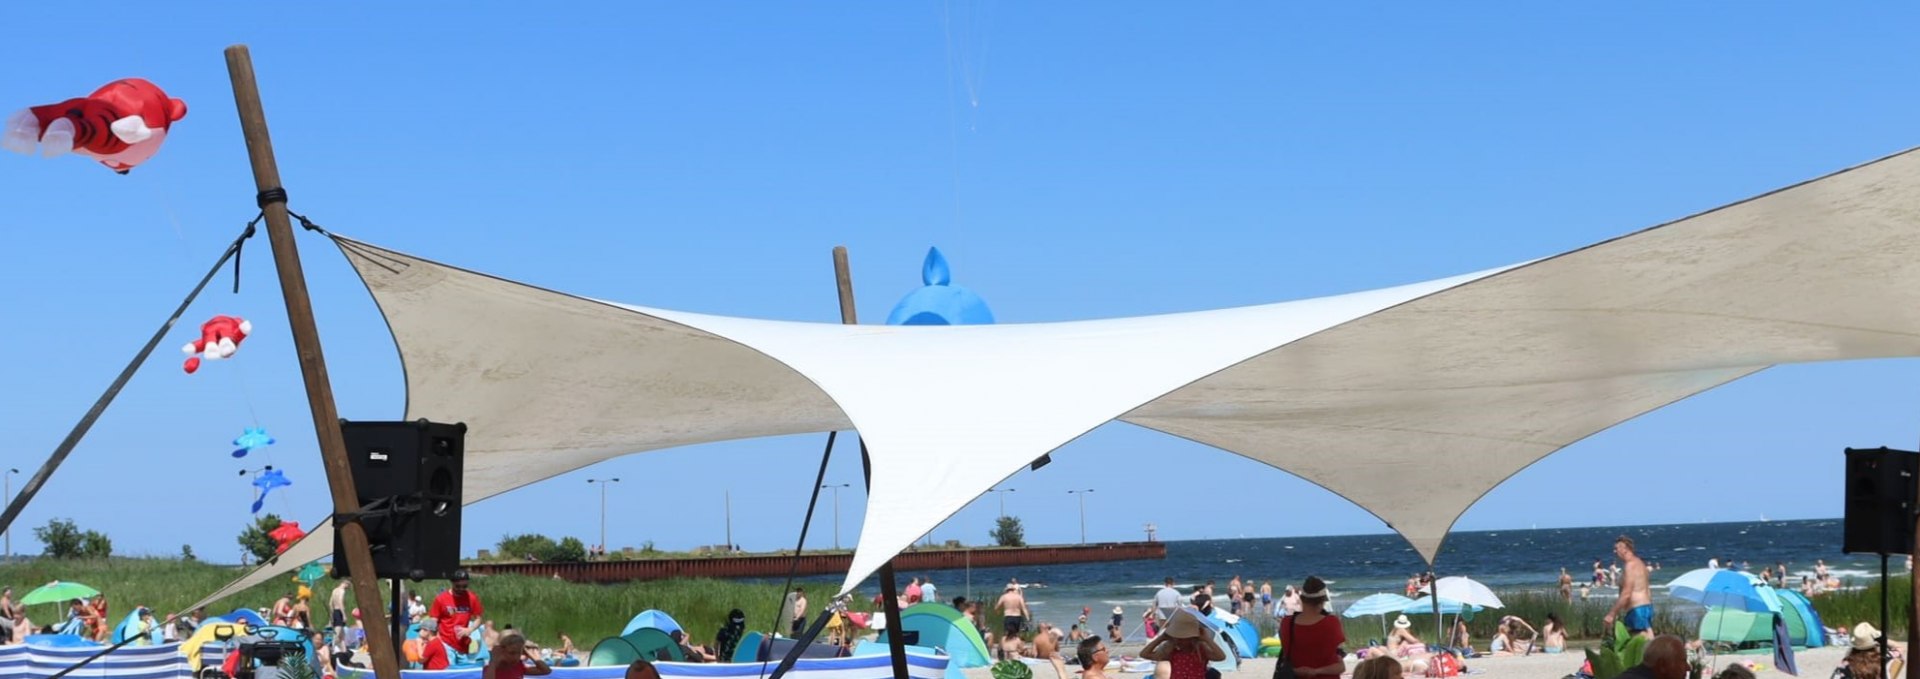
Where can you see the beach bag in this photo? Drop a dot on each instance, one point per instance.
(1283, 666)
(1444, 665)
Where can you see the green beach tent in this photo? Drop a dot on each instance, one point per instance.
(943, 627)
(1747, 631)
(647, 643)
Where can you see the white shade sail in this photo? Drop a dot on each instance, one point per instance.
(1359, 393)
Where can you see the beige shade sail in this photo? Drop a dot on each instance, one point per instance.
(1360, 393)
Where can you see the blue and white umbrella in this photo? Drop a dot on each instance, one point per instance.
(1377, 604)
(1447, 607)
(1726, 588)
(1723, 588)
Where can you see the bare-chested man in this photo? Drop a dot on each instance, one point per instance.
(1566, 586)
(1013, 610)
(1635, 599)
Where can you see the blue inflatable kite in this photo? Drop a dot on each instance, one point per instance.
(266, 482)
(940, 302)
(251, 439)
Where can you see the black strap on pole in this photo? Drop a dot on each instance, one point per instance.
(100, 406)
(896, 642)
(794, 569)
(799, 644)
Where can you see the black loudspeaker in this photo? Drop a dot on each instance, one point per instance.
(407, 475)
(1880, 501)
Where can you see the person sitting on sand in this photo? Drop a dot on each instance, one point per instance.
(1553, 635)
(1863, 661)
(1461, 639)
(1401, 643)
(1379, 667)
(1510, 640)
(1092, 654)
(1012, 646)
(1046, 646)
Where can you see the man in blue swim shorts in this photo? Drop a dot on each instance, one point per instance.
(1636, 600)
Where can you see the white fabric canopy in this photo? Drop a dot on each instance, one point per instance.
(1358, 393)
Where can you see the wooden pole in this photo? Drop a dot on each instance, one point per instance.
(313, 365)
(896, 644)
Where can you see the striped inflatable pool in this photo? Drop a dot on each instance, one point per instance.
(135, 662)
(865, 667)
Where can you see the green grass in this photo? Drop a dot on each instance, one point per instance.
(542, 607)
(1846, 608)
(1582, 619)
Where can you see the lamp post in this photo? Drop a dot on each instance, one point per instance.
(836, 510)
(1003, 498)
(1083, 512)
(603, 509)
(9, 500)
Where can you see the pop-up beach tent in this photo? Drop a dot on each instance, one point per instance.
(1502, 366)
(944, 629)
(652, 618)
(646, 643)
(1803, 623)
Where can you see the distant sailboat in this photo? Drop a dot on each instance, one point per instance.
(1763, 517)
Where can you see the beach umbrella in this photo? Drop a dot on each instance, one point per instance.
(311, 573)
(1424, 605)
(1377, 604)
(1380, 605)
(1464, 590)
(57, 592)
(1723, 588)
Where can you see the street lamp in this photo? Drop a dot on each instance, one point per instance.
(1003, 498)
(603, 509)
(1083, 512)
(836, 510)
(9, 493)
(255, 473)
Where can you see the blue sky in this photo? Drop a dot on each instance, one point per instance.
(1074, 160)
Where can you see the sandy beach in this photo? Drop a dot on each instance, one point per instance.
(1814, 664)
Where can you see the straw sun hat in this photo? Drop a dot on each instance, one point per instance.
(1183, 625)
(1865, 637)
(1402, 622)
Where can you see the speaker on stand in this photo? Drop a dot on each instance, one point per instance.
(407, 476)
(1880, 512)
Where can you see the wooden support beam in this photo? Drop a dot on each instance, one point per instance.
(313, 364)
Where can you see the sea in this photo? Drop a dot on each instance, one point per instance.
(1508, 561)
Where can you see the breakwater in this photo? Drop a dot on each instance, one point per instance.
(768, 566)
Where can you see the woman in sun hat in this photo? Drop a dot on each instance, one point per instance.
(1185, 646)
(1863, 661)
(1119, 616)
(1402, 643)
(1313, 638)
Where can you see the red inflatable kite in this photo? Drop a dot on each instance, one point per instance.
(121, 125)
(220, 336)
(288, 533)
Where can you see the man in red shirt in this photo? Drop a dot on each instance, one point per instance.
(454, 610)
